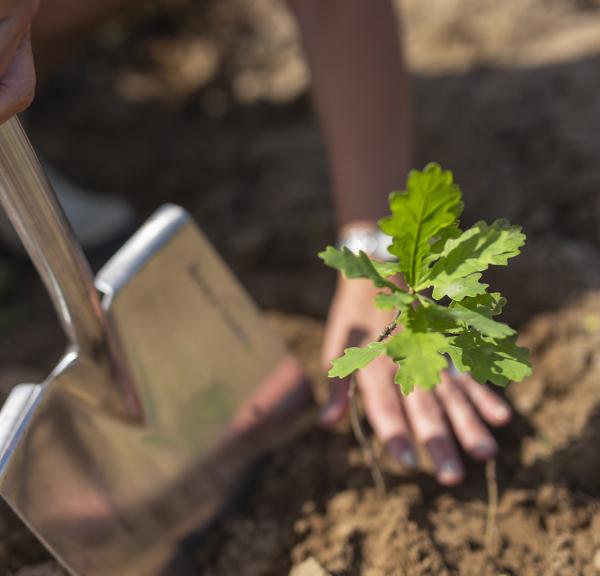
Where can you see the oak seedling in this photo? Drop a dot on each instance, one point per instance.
(442, 308)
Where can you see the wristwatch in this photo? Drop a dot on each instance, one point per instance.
(373, 242)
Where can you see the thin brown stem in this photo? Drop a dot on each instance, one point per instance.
(492, 510)
(355, 421)
(365, 445)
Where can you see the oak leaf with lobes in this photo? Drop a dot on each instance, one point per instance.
(444, 310)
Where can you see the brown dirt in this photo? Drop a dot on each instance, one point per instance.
(506, 94)
(314, 499)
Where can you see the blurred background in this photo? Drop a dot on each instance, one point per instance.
(205, 103)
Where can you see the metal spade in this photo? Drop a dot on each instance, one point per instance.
(170, 387)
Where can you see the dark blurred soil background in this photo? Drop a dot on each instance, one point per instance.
(204, 103)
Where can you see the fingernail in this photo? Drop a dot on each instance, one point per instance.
(453, 370)
(502, 413)
(404, 454)
(451, 472)
(484, 450)
(408, 459)
(329, 415)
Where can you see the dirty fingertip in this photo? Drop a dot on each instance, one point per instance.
(450, 473)
(332, 412)
(403, 452)
(484, 450)
(502, 414)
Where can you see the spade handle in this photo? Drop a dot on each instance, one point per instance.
(31, 204)
(32, 207)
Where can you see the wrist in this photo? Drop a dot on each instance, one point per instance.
(365, 236)
(362, 224)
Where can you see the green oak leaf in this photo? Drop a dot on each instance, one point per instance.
(420, 358)
(458, 288)
(429, 317)
(438, 243)
(479, 319)
(386, 269)
(405, 380)
(457, 317)
(489, 304)
(499, 361)
(355, 359)
(431, 204)
(435, 254)
(457, 272)
(393, 301)
(356, 266)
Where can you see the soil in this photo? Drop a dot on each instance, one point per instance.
(315, 500)
(205, 104)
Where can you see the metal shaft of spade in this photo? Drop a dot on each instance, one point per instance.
(31, 205)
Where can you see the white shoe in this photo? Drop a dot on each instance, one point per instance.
(96, 219)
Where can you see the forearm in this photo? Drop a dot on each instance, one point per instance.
(361, 96)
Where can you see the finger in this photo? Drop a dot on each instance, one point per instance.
(338, 337)
(23, 9)
(12, 32)
(17, 87)
(430, 429)
(492, 407)
(340, 333)
(472, 434)
(338, 403)
(8, 47)
(383, 406)
(334, 342)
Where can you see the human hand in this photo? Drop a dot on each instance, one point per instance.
(17, 72)
(457, 407)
